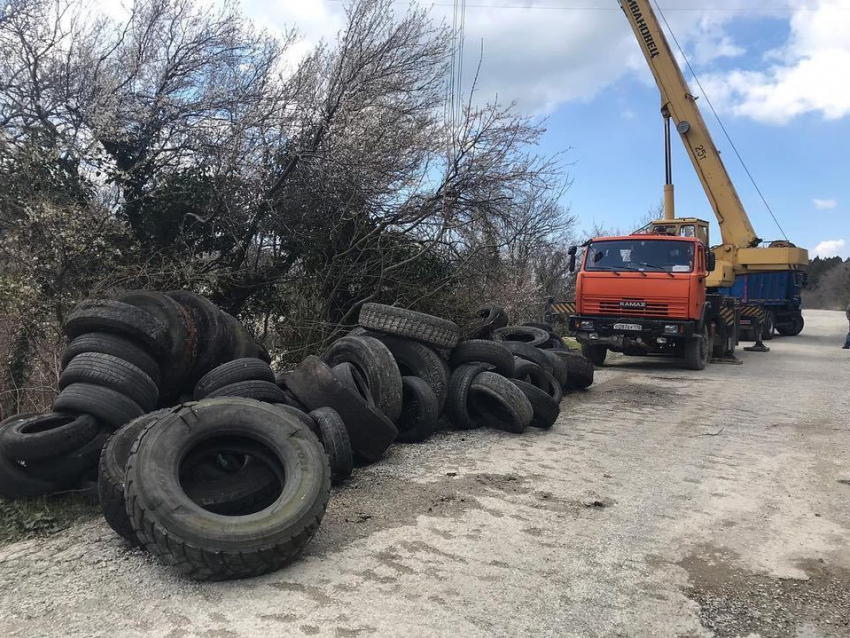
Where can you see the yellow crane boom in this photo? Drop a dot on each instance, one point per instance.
(740, 252)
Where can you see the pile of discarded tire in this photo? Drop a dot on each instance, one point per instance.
(232, 480)
(125, 358)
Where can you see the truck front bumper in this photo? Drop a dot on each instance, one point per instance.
(623, 333)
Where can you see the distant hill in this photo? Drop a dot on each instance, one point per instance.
(828, 285)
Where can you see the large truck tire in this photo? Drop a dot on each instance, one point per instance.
(123, 319)
(199, 543)
(213, 339)
(794, 328)
(244, 369)
(457, 400)
(114, 345)
(483, 351)
(46, 435)
(420, 360)
(108, 406)
(334, 438)
(500, 403)
(111, 472)
(697, 352)
(104, 370)
(377, 364)
(545, 409)
(580, 370)
(596, 354)
(399, 322)
(178, 362)
(419, 411)
(314, 385)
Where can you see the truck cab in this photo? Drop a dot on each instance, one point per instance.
(645, 294)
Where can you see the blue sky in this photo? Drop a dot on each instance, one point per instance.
(779, 75)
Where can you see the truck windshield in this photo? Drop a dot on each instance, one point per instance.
(640, 255)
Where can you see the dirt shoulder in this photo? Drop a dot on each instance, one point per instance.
(664, 502)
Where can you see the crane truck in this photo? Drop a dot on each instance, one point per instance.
(664, 291)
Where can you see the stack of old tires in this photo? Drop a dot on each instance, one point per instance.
(234, 481)
(126, 357)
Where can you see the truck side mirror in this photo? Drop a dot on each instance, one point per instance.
(572, 253)
(712, 261)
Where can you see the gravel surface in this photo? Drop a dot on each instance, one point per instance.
(664, 502)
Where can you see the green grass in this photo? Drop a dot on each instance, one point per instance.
(35, 518)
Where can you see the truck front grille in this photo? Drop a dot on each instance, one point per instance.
(654, 308)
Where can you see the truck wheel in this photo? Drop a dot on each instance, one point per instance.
(769, 325)
(794, 328)
(596, 354)
(698, 351)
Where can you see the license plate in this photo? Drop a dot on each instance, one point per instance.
(627, 326)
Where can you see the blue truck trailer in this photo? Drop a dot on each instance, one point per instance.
(779, 294)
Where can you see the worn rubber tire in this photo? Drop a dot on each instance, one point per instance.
(458, 396)
(499, 403)
(46, 435)
(579, 370)
(245, 369)
(539, 378)
(559, 368)
(178, 362)
(265, 391)
(596, 354)
(15, 481)
(123, 319)
(354, 380)
(420, 360)
(483, 351)
(111, 474)
(315, 386)
(410, 324)
(529, 353)
(419, 412)
(555, 343)
(521, 334)
(243, 344)
(334, 438)
(488, 318)
(544, 407)
(796, 327)
(308, 421)
(114, 345)
(96, 368)
(207, 546)
(377, 364)
(213, 340)
(106, 405)
(70, 467)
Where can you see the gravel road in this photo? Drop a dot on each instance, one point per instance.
(664, 502)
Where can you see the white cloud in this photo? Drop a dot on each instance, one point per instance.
(806, 75)
(825, 204)
(830, 248)
(543, 57)
(535, 55)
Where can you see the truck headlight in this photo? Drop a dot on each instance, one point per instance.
(586, 325)
(671, 330)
